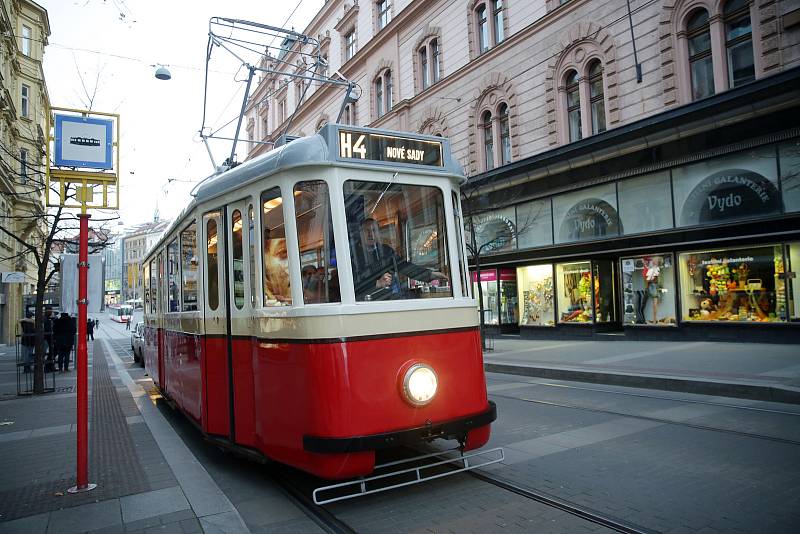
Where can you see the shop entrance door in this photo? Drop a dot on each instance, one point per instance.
(606, 301)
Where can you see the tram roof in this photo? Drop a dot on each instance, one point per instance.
(323, 148)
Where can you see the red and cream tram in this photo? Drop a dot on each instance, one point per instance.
(311, 305)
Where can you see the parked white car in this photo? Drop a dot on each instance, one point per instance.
(137, 342)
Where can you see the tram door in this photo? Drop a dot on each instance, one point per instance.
(217, 409)
(238, 300)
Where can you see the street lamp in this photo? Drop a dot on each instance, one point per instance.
(162, 72)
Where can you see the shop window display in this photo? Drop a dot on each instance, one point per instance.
(536, 306)
(648, 290)
(744, 285)
(574, 282)
(489, 291)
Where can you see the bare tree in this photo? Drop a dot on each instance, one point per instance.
(40, 233)
(492, 237)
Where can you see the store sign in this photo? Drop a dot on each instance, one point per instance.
(495, 232)
(508, 275)
(730, 194)
(390, 148)
(588, 219)
(486, 276)
(13, 277)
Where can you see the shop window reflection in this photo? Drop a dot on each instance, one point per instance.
(604, 291)
(648, 290)
(744, 285)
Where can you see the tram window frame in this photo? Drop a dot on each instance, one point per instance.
(328, 292)
(146, 285)
(251, 247)
(275, 276)
(154, 286)
(212, 267)
(237, 255)
(427, 225)
(187, 304)
(173, 275)
(162, 302)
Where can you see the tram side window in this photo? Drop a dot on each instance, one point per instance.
(161, 277)
(211, 264)
(153, 287)
(173, 288)
(462, 265)
(146, 282)
(276, 259)
(238, 259)
(251, 244)
(315, 238)
(398, 241)
(189, 267)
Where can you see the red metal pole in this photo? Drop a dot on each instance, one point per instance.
(82, 363)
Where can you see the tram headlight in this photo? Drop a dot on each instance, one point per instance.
(420, 384)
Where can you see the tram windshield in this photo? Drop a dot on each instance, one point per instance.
(398, 241)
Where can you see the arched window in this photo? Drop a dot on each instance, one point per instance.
(436, 64)
(428, 65)
(487, 21)
(483, 29)
(423, 67)
(488, 140)
(738, 43)
(596, 98)
(379, 96)
(349, 116)
(701, 67)
(573, 105)
(383, 93)
(716, 44)
(499, 31)
(505, 134)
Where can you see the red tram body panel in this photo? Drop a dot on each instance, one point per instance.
(320, 369)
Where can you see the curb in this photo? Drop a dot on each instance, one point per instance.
(739, 390)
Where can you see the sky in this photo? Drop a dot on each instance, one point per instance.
(114, 46)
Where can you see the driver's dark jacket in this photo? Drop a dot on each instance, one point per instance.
(370, 265)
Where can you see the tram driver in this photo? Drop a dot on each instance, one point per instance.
(378, 268)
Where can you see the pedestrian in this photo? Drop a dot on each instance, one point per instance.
(64, 336)
(49, 345)
(90, 330)
(28, 342)
(128, 323)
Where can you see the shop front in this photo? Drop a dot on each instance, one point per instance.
(704, 249)
(499, 292)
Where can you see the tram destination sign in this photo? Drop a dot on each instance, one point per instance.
(391, 148)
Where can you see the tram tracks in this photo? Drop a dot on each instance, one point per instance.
(582, 512)
(654, 419)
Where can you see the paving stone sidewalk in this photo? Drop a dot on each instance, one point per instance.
(137, 489)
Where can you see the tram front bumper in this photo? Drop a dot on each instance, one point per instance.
(454, 429)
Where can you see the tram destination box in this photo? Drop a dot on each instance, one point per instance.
(368, 146)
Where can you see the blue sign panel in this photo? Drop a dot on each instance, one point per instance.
(83, 142)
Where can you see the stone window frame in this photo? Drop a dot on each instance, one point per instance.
(430, 35)
(321, 122)
(472, 26)
(25, 101)
(675, 51)
(434, 122)
(579, 46)
(376, 15)
(347, 26)
(384, 74)
(498, 89)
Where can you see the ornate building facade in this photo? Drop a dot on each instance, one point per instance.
(24, 102)
(645, 155)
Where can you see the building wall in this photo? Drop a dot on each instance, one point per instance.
(20, 198)
(541, 37)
